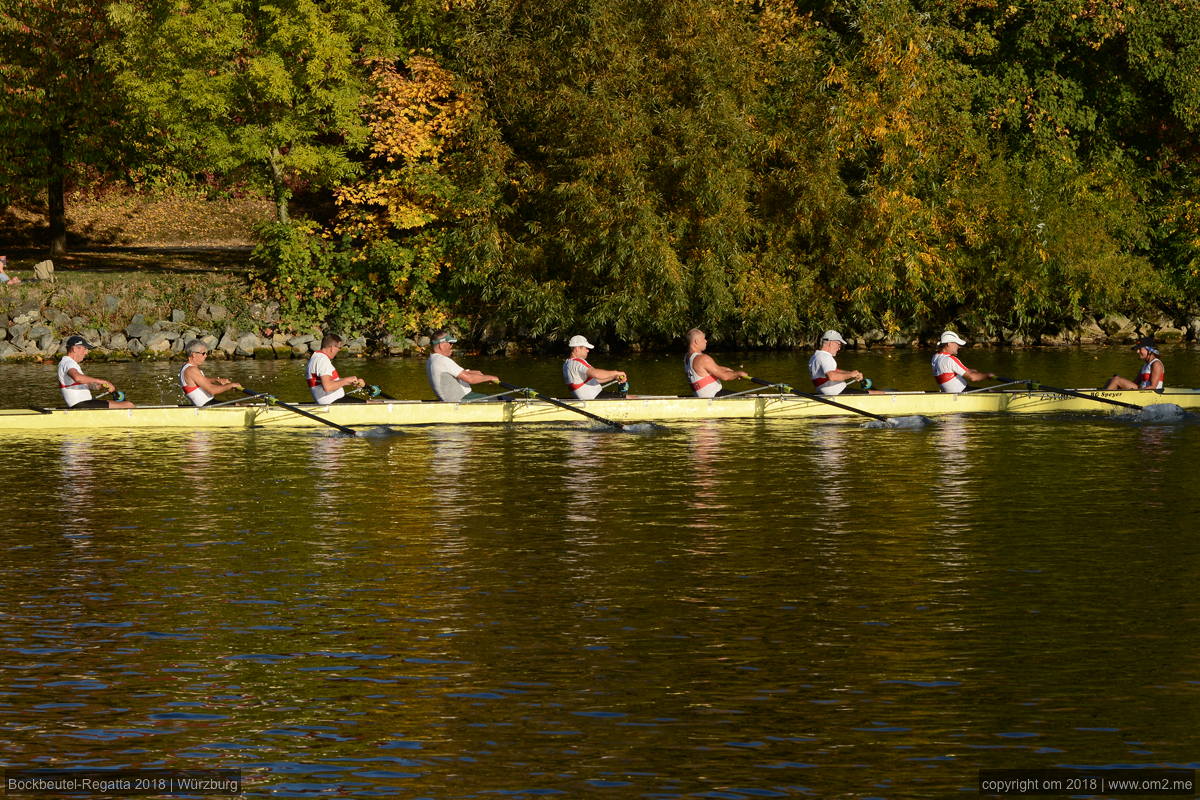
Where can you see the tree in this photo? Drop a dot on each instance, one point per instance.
(270, 89)
(382, 264)
(61, 106)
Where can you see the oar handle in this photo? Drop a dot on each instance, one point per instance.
(822, 399)
(532, 393)
(271, 400)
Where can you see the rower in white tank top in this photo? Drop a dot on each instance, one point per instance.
(702, 385)
(193, 392)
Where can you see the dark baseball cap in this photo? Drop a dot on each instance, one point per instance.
(74, 341)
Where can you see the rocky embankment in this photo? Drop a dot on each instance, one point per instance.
(34, 333)
(33, 328)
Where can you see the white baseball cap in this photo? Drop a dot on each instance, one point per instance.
(580, 341)
(951, 336)
(832, 336)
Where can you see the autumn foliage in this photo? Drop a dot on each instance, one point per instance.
(764, 169)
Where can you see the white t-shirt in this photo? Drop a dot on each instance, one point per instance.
(72, 391)
(575, 374)
(819, 367)
(443, 377)
(318, 365)
(948, 372)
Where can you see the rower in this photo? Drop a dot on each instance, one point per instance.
(584, 380)
(327, 387)
(450, 382)
(75, 386)
(951, 374)
(196, 386)
(1152, 375)
(703, 373)
(826, 377)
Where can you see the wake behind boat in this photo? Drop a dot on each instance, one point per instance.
(778, 404)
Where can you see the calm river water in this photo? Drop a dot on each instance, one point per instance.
(718, 610)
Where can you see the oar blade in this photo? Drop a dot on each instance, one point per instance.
(910, 423)
(1157, 413)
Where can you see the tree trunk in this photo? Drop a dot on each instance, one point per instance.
(56, 193)
(278, 187)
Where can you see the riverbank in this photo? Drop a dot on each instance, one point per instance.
(150, 273)
(138, 314)
(149, 317)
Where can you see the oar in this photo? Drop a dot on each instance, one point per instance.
(560, 404)
(1034, 385)
(822, 399)
(272, 401)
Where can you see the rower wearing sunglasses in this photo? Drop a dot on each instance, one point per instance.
(196, 386)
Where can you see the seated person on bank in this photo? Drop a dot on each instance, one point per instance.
(5, 278)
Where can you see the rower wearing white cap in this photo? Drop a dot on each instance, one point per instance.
(823, 368)
(951, 374)
(581, 377)
(450, 382)
(77, 387)
(1152, 374)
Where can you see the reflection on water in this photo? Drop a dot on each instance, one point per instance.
(735, 610)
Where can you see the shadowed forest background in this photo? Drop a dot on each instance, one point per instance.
(761, 169)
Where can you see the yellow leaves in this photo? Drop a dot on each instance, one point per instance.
(414, 115)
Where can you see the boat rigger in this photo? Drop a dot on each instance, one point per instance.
(767, 405)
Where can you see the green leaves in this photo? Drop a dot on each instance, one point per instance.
(763, 169)
(267, 89)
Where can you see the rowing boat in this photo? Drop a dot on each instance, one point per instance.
(764, 405)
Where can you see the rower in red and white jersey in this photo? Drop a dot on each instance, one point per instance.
(1153, 372)
(703, 373)
(76, 386)
(196, 386)
(950, 373)
(822, 367)
(327, 387)
(584, 380)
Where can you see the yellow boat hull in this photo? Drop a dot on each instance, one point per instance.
(631, 410)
